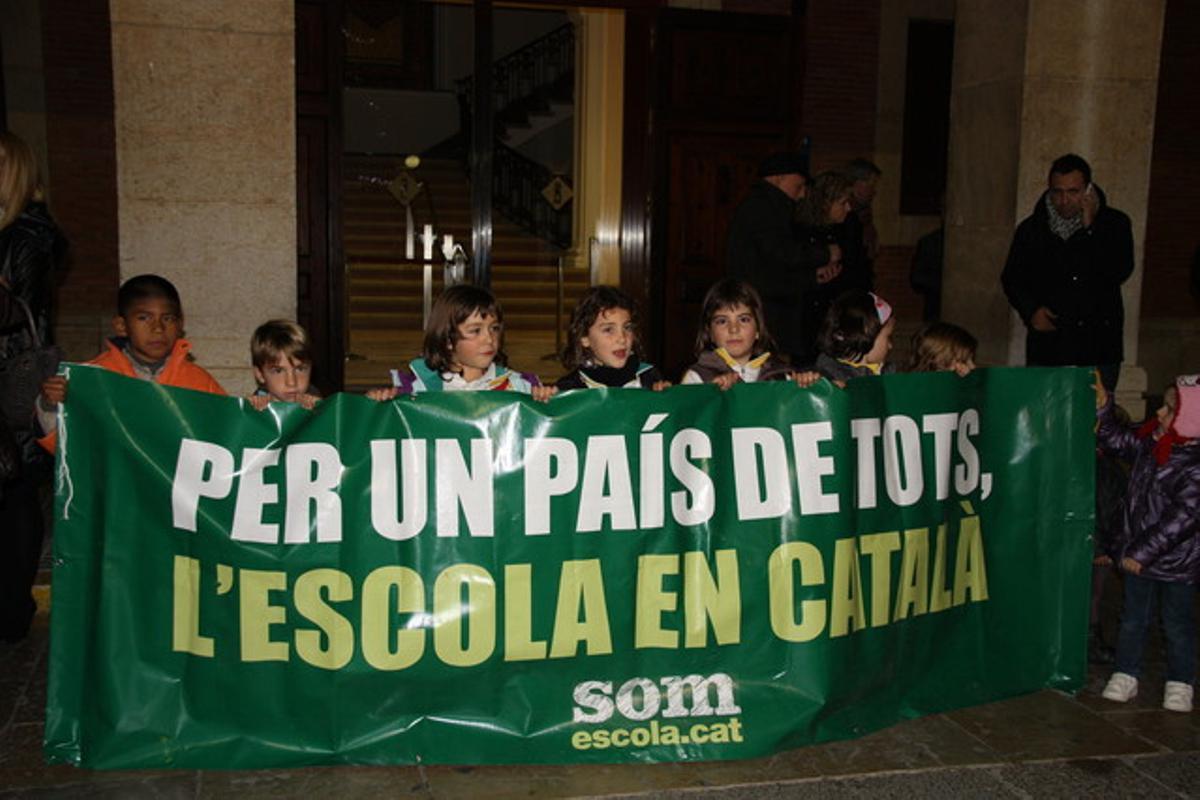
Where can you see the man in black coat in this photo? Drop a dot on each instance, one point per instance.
(764, 249)
(1065, 268)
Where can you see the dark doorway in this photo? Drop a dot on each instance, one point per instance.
(708, 95)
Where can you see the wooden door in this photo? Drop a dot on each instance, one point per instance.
(708, 95)
(709, 175)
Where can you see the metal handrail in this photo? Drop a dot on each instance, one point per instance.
(529, 69)
(517, 181)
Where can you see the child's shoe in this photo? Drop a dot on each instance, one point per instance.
(1177, 696)
(1122, 688)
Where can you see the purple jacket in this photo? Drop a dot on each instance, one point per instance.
(1160, 526)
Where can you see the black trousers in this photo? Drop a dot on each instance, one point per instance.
(22, 520)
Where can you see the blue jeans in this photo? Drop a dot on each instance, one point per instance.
(1179, 626)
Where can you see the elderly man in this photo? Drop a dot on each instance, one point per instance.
(1065, 268)
(765, 250)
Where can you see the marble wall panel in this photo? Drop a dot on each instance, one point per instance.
(989, 41)
(984, 151)
(204, 103)
(258, 16)
(972, 295)
(1090, 40)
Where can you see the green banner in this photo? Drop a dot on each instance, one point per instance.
(613, 576)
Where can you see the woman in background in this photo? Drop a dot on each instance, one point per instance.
(30, 248)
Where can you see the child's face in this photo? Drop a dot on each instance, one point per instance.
(883, 344)
(152, 325)
(611, 337)
(1166, 414)
(736, 330)
(286, 380)
(479, 339)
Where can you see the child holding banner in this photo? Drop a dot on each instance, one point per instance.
(602, 349)
(282, 359)
(733, 344)
(856, 337)
(943, 347)
(463, 351)
(149, 345)
(1159, 544)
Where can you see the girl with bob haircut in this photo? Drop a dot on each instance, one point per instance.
(463, 351)
(856, 337)
(942, 347)
(602, 347)
(733, 343)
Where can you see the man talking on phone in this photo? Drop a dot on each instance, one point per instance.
(1064, 272)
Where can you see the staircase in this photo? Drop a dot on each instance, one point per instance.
(384, 290)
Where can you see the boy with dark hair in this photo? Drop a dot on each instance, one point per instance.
(149, 345)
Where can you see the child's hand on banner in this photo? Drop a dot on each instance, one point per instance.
(54, 390)
(542, 394)
(726, 380)
(1131, 566)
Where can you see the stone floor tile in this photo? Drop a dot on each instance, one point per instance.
(1169, 730)
(1047, 725)
(571, 780)
(31, 703)
(790, 765)
(17, 658)
(178, 786)
(1178, 772)
(313, 782)
(1091, 778)
(956, 782)
(933, 741)
(22, 765)
(12, 687)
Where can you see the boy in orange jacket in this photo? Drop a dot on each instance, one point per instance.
(149, 345)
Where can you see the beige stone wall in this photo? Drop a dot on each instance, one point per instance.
(981, 195)
(206, 180)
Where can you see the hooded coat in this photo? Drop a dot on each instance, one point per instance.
(1159, 526)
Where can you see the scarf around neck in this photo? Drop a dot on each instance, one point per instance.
(1060, 226)
(600, 375)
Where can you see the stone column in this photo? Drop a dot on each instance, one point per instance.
(204, 100)
(1034, 80)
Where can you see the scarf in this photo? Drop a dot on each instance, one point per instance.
(598, 375)
(1060, 226)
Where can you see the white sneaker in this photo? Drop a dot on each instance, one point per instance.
(1121, 688)
(1177, 696)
